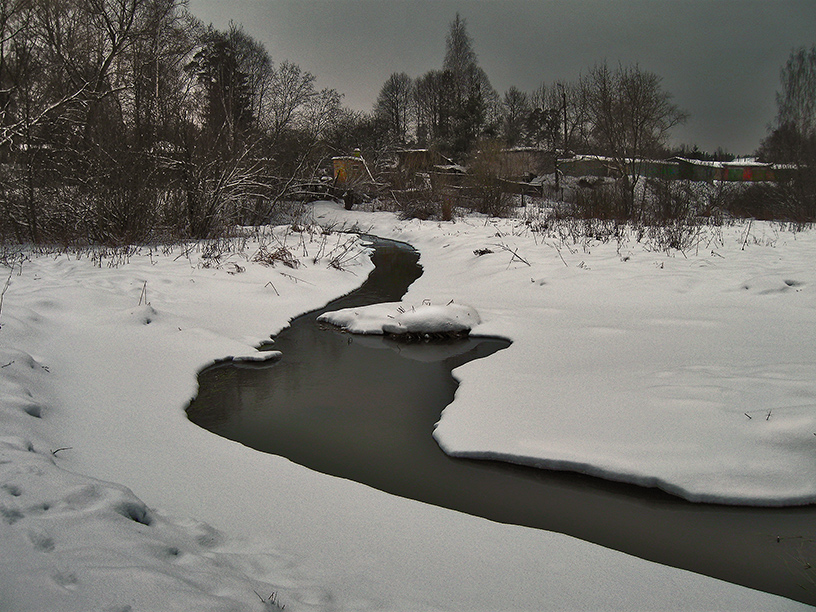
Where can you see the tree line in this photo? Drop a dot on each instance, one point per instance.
(131, 120)
(621, 112)
(126, 120)
(452, 109)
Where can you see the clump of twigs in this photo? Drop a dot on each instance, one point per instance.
(280, 255)
(342, 255)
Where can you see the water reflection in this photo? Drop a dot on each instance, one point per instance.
(351, 407)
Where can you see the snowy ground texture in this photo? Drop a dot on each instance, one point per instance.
(111, 500)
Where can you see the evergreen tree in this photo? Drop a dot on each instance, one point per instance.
(228, 111)
(473, 100)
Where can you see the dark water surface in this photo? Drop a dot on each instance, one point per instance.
(364, 408)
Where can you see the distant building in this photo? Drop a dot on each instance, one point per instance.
(743, 170)
(659, 169)
(586, 165)
(350, 170)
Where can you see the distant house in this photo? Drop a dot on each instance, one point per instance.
(520, 167)
(747, 170)
(742, 170)
(599, 166)
(350, 170)
(695, 169)
(448, 175)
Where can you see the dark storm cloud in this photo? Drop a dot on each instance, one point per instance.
(719, 58)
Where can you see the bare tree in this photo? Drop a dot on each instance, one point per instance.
(515, 117)
(631, 116)
(563, 112)
(165, 39)
(792, 138)
(434, 106)
(394, 106)
(291, 92)
(86, 40)
(796, 102)
(16, 50)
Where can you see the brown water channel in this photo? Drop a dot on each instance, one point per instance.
(364, 408)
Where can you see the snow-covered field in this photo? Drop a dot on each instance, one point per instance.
(690, 370)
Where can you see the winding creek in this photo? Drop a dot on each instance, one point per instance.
(364, 408)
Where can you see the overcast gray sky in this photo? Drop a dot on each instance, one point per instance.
(719, 58)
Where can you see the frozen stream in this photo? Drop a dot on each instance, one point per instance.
(364, 408)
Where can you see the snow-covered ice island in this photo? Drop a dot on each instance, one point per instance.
(693, 371)
(425, 321)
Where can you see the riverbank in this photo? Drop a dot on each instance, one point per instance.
(689, 370)
(99, 358)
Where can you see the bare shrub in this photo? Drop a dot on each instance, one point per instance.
(608, 201)
(281, 255)
(487, 187)
(780, 201)
(666, 200)
(420, 204)
(674, 234)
